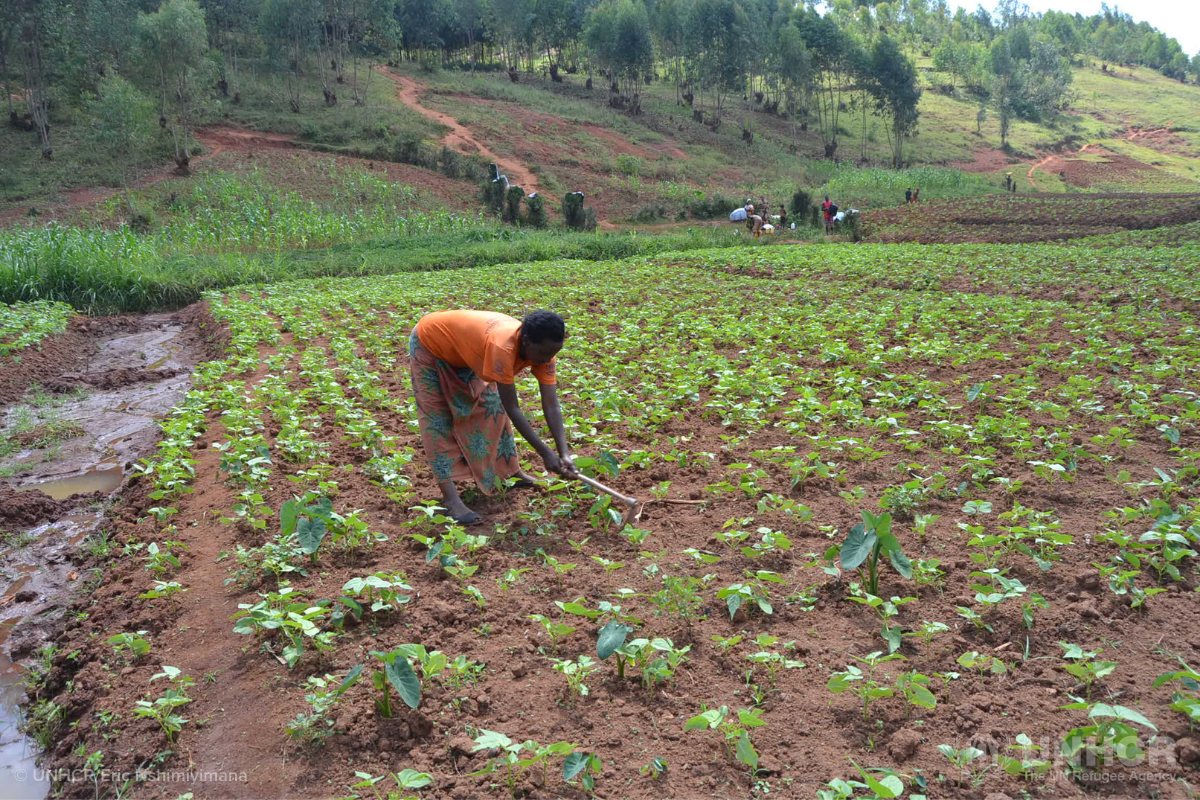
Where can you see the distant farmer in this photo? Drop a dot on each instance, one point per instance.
(782, 217)
(908, 195)
(917, 195)
(464, 365)
(754, 221)
(829, 209)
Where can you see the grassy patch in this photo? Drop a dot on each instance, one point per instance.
(97, 281)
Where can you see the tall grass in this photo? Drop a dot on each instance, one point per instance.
(225, 212)
(120, 272)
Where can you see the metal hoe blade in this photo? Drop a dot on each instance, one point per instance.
(631, 503)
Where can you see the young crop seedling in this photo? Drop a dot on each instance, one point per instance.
(1024, 765)
(963, 759)
(136, 643)
(557, 631)
(981, 664)
(752, 591)
(406, 780)
(886, 609)
(724, 644)
(1082, 666)
(315, 727)
(927, 629)
(516, 758)
(396, 674)
(576, 672)
(679, 597)
(774, 662)
(914, 688)
(1110, 729)
(160, 559)
(162, 709)
(1186, 699)
(734, 730)
(862, 684)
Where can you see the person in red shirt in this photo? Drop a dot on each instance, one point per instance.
(464, 365)
(827, 208)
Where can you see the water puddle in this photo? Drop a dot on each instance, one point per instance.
(110, 427)
(18, 756)
(101, 478)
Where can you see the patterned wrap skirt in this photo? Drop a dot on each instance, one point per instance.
(464, 428)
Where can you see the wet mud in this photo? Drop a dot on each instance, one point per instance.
(82, 409)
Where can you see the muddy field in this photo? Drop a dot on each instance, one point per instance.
(786, 412)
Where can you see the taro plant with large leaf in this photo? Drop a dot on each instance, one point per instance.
(866, 542)
(308, 518)
(396, 674)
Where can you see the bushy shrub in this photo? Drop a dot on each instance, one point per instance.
(493, 190)
(572, 210)
(710, 206)
(535, 215)
(512, 204)
(802, 201)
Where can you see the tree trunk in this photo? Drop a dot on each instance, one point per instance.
(35, 88)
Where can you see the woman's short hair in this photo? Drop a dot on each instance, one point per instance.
(542, 325)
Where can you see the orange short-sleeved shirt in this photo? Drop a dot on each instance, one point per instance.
(484, 341)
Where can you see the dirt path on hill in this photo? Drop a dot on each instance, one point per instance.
(1129, 137)
(459, 138)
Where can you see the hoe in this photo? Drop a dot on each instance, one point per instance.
(633, 506)
(631, 503)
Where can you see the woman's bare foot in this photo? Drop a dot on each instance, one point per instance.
(455, 507)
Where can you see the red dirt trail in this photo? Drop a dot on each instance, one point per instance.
(1131, 136)
(408, 92)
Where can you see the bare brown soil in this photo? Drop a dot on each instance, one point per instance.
(45, 361)
(21, 510)
(1014, 218)
(1105, 167)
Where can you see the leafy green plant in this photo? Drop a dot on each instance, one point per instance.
(516, 758)
(406, 780)
(1186, 699)
(162, 709)
(963, 758)
(1083, 666)
(866, 542)
(557, 631)
(1109, 727)
(1024, 765)
(734, 730)
(886, 609)
(914, 688)
(927, 629)
(984, 665)
(576, 672)
(396, 674)
(751, 591)
(315, 727)
(862, 683)
(136, 643)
